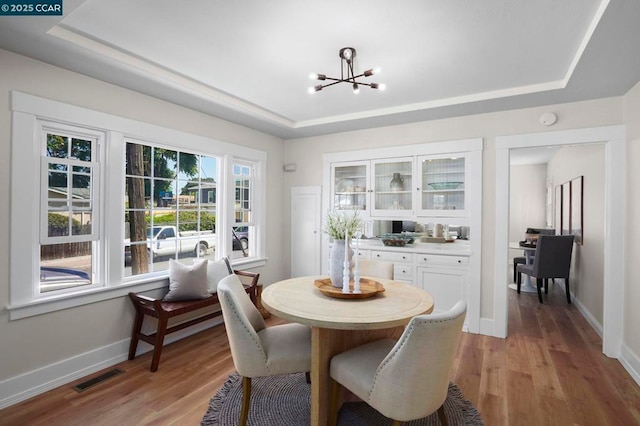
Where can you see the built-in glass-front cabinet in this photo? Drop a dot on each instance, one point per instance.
(429, 183)
(350, 186)
(406, 186)
(379, 187)
(442, 185)
(392, 186)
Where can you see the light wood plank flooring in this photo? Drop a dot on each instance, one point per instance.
(550, 371)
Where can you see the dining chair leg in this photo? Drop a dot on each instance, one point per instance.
(442, 416)
(246, 399)
(566, 286)
(539, 285)
(519, 282)
(333, 403)
(546, 286)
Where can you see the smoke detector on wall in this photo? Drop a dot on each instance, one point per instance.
(548, 118)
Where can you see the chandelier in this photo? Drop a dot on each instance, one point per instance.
(347, 75)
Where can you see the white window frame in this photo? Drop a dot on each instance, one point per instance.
(97, 256)
(94, 165)
(27, 112)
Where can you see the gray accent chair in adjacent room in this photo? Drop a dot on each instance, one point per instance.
(404, 380)
(257, 350)
(522, 260)
(553, 260)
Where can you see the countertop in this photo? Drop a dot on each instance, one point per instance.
(456, 248)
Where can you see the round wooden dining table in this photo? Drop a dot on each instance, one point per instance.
(338, 324)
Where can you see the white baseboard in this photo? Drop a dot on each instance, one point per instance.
(586, 314)
(32, 383)
(583, 309)
(631, 362)
(487, 327)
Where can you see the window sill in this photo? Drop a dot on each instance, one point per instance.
(248, 263)
(52, 304)
(57, 303)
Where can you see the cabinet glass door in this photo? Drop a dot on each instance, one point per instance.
(350, 187)
(392, 186)
(443, 183)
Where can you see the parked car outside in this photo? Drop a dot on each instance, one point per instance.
(52, 278)
(241, 238)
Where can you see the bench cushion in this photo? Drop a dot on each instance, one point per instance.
(187, 282)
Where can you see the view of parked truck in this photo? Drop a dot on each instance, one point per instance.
(167, 240)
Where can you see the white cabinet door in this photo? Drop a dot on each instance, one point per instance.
(350, 186)
(392, 183)
(443, 180)
(445, 285)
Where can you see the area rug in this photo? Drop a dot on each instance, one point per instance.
(285, 401)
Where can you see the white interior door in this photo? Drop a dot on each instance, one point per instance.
(305, 230)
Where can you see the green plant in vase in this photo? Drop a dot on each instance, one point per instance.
(340, 224)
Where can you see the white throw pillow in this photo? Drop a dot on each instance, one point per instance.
(217, 270)
(187, 282)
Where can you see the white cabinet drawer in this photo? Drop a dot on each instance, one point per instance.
(440, 260)
(403, 271)
(392, 256)
(364, 254)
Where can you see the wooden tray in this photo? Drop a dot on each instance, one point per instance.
(436, 240)
(368, 288)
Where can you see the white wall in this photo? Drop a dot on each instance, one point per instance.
(38, 342)
(632, 228)
(307, 154)
(587, 267)
(527, 199)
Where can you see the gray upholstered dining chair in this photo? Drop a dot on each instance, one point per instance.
(522, 260)
(404, 380)
(257, 350)
(375, 268)
(553, 260)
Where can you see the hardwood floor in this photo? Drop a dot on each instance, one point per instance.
(550, 371)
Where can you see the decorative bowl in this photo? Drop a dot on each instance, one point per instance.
(397, 240)
(394, 242)
(445, 185)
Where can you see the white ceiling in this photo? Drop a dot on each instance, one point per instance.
(248, 61)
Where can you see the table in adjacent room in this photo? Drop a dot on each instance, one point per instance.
(526, 286)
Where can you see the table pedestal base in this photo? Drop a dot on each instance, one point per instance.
(325, 343)
(524, 288)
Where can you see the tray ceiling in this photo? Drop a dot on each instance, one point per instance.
(249, 61)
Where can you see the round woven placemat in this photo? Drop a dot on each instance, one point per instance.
(285, 401)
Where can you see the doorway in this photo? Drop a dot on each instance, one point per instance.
(613, 138)
(305, 230)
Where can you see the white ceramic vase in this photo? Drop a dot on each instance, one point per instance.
(336, 263)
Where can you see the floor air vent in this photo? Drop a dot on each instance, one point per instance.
(96, 380)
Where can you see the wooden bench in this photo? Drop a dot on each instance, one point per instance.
(161, 310)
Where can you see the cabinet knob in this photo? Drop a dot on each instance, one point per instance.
(425, 259)
(459, 261)
(403, 258)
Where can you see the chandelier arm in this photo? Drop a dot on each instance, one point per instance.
(335, 82)
(360, 75)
